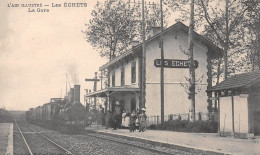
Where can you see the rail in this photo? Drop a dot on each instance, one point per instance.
(67, 151)
(130, 143)
(29, 149)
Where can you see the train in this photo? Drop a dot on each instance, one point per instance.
(66, 114)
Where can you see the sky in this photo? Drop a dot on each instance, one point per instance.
(38, 49)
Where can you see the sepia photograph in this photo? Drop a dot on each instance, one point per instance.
(135, 77)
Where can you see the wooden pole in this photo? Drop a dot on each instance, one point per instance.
(226, 43)
(143, 60)
(191, 60)
(218, 93)
(95, 89)
(233, 117)
(101, 79)
(162, 66)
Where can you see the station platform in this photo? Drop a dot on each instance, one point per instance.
(6, 138)
(209, 143)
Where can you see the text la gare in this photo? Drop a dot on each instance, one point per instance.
(37, 10)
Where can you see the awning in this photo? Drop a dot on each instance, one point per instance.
(244, 80)
(110, 90)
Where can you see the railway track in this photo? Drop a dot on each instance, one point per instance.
(148, 148)
(33, 147)
(94, 143)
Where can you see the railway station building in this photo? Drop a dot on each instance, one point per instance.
(239, 108)
(124, 90)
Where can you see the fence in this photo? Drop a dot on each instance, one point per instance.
(99, 118)
(184, 117)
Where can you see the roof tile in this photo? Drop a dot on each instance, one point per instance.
(237, 81)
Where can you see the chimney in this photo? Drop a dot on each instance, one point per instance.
(76, 94)
(134, 43)
(71, 94)
(153, 31)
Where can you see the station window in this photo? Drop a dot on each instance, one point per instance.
(133, 72)
(113, 79)
(122, 76)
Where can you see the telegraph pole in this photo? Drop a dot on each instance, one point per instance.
(226, 42)
(95, 80)
(191, 60)
(162, 66)
(143, 59)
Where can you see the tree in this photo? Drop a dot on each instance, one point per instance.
(225, 25)
(110, 27)
(252, 35)
(222, 21)
(116, 23)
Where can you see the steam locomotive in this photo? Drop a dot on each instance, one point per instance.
(66, 114)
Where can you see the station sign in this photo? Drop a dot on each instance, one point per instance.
(174, 63)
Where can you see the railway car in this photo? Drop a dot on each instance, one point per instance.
(47, 112)
(27, 115)
(63, 114)
(33, 118)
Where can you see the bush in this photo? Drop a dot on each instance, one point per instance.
(187, 126)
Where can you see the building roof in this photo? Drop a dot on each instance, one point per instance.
(178, 26)
(103, 92)
(238, 81)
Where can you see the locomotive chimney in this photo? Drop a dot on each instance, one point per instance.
(76, 93)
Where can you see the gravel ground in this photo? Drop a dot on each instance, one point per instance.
(145, 145)
(90, 144)
(19, 145)
(84, 144)
(38, 144)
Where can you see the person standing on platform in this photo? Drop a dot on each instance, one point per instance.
(132, 121)
(142, 120)
(117, 116)
(137, 121)
(125, 119)
(108, 119)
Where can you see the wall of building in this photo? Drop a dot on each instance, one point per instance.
(254, 113)
(240, 114)
(125, 98)
(225, 114)
(176, 99)
(127, 66)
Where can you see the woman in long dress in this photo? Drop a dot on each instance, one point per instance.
(125, 119)
(142, 119)
(132, 121)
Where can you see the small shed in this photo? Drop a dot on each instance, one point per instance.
(238, 100)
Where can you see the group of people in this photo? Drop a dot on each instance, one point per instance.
(137, 120)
